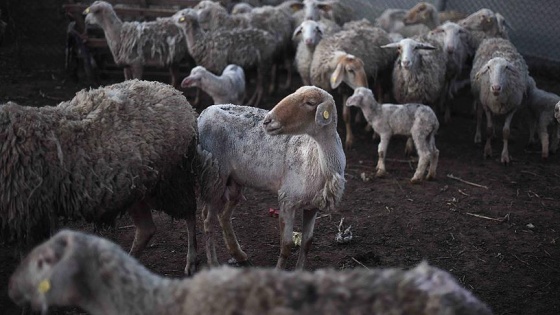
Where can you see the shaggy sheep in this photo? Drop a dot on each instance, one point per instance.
(499, 79)
(414, 120)
(350, 56)
(311, 33)
(297, 154)
(541, 107)
(136, 44)
(419, 72)
(484, 24)
(76, 269)
(128, 146)
(224, 89)
(248, 48)
(423, 13)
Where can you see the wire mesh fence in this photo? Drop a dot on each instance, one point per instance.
(36, 30)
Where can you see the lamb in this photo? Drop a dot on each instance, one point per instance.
(413, 120)
(224, 89)
(248, 48)
(293, 150)
(350, 56)
(128, 146)
(77, 269)
(499, 79)
(541, 107)
(311, 33)
(136, 44)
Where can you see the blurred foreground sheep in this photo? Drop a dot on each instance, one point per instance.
(125, 147)
(82, 270)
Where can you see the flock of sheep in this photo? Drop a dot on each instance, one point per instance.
(138, 145)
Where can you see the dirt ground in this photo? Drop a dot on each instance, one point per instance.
(499, 236)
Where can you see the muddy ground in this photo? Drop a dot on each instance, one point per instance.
(499, 236)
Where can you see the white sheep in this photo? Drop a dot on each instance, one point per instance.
(225, 89)
(499, 80)
(293, 150)
(484, 24)
(76, 269)
(413, 120)
(134, 45)
(125, 147)
(335, 10)
(541, 106)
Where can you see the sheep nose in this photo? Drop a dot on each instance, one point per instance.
(496, 88)
(308, 41)
(405, 63)
(450, 49)
(266, 121)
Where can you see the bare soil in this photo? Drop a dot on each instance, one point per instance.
(500, 238)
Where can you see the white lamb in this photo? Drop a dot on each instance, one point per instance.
(414, 120)
(225, 89)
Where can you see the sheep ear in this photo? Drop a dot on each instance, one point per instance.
(337, 75)
(425, 46)
(296, 6)
(480, 72)
(297, 31)
(325, 7)
(324, 113)
(391, 45)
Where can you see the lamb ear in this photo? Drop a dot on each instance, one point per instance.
(297, 31)
(337, 75)
(324, 113)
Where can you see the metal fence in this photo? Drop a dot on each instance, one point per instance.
(36, 31)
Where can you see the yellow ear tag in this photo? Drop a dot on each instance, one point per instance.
(87, 11)
(333, 79)
(326, 114)
(182, 19)
(44, 286)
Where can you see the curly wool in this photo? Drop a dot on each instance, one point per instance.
(95, 155)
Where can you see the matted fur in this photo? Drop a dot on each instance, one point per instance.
(95, 155)
(129, 288)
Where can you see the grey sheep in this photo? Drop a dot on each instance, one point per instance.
(423, 13)
(294, 150)
(541, 106)
(227, 88)
(350, 56)
(125, 147)
(484, 24)
(77, 269)
(499, 80)
(413, 120)
(335, 10)
(214, 50)
(135, 44)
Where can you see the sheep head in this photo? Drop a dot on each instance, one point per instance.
(314, 9)
(306, 111)
(98, 11)
(407, 49)
(452, 34)
(482, 20)
(194, 77)
(349, 69)
(186, 18)
(497, 70)
(361, 97)
(47, 275)
(311, 32)
(422, 13)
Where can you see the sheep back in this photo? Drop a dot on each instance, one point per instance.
(97, 154)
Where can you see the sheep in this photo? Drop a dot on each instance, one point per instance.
(136, 44)
(241, 8)
(419, 72)
(215, 50)
(128, 146)
(311, 33)
(93, 273)
(423, 13)
(224, 89)
(414, 120)
(499, 79)
(484, 24)
(391, 20)
(334, 10)
(350, 56)
(541, 108)
(213, 16)
(293, 150)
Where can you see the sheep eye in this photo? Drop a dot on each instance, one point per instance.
(40, 263)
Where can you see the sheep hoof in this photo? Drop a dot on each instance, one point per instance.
(234, 263)
(191, 269)
(380, 173)
(430, 177)
(415, 180)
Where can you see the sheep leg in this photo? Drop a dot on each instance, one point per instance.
(424, 154)
(289, 72)
(409, 147)
(137, 71)
(543, 134)
(347, 117)
(532, 131)
(174, 73)
(234, 195)
(555, 138)
(381, 150)
(505, 136)
(127, 73)
(273, 78)
(489, 134)
(479, 112)
(434, 158)
(209, 215)
(145, 227)
(308, 225)
(257, 95)
(286, 221)
(192, 263)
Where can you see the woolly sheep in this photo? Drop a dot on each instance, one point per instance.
(414, 120)
(419, 72)
(423, 13)
(499, 79)
(224, 89)
(248, 48)
(76, 269)
(311, 33)
(391, 20)
(128, 146)
(350, 56)
(293, 150)
(136, 44)
(484, 24)
(541, 108)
